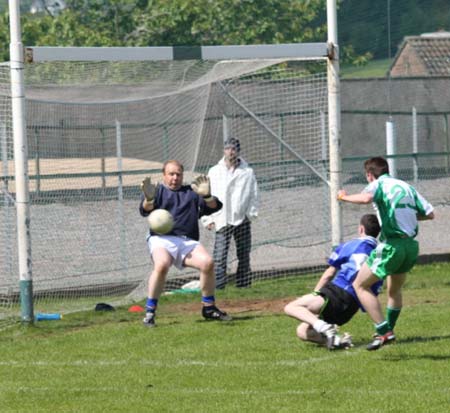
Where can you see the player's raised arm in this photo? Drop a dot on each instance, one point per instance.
(362, 198)
(149, 191)
(202, 187)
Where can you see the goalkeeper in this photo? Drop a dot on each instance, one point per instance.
(334, 301)
(181, 246)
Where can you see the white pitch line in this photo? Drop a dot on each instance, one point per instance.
(180, 363)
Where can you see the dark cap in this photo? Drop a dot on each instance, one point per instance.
(104, 307)
(232, 142)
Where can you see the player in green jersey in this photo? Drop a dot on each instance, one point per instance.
(399, 207)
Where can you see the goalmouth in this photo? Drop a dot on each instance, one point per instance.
(283, 52)
(92, 111)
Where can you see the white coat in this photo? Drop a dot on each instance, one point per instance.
(238, 192)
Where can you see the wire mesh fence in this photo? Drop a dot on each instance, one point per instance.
(96, 131)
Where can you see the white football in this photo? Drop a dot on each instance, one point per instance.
(160, 221)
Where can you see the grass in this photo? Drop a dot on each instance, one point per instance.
(108, 362)
(375, 68)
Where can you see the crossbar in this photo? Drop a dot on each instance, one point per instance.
(242, 52)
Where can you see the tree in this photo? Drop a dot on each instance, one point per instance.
(209, 22)
(175, 22)
(363, 24)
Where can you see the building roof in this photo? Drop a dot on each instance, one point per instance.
(424, 55)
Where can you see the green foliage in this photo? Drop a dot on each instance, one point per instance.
(363, 24)
(209, 22)
(64, 30)
(350, 57)
(175, 22)
(4, 37)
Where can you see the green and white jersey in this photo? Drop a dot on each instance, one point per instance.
(397, 204)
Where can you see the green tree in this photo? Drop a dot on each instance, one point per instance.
(174, 22)
(363, 24)
(209, 22)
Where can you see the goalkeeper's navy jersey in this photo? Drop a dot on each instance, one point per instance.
(348, 259)
(185, 206)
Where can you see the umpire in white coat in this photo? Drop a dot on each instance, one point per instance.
(234, 183)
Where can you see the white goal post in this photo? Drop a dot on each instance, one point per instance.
(241, 54)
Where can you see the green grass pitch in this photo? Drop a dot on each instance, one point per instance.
(109, 362)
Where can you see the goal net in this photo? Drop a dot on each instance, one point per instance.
(95, 129)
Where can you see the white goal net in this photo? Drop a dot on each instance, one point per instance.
(96, 129)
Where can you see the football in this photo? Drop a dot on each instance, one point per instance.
(160, 221)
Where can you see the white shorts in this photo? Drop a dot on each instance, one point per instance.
(178, 247)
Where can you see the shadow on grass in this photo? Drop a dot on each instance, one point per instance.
(404, 357)
(424, 339)
(414, 340)
(235, 318)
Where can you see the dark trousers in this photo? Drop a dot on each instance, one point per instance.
(243, 240)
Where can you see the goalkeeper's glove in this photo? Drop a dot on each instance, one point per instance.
(148, 189)
(201, 186)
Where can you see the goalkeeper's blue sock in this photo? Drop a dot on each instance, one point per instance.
(208, 300)
(151, 305)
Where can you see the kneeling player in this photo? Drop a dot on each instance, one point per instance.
(334, 301)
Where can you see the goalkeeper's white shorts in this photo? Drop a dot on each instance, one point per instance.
(177, 246)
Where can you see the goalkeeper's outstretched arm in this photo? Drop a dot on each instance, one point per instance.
(149, 191)
(202, 187)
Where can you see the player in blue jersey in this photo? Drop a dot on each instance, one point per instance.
(400, 207)
(181, 246)
(334, 301)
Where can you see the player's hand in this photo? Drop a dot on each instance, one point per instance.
(148, 189)
(201, 186)
(341, 193)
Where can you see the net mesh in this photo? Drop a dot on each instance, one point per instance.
(418, 109)
(95, 130)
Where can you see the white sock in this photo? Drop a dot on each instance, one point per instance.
(320, 326)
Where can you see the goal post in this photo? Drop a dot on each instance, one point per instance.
(334, 123)
(20, 156)
(101, 119)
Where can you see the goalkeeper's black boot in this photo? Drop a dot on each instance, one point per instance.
(149, 319)
(211, 312)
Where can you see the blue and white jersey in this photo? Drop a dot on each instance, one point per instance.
(348, 259)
